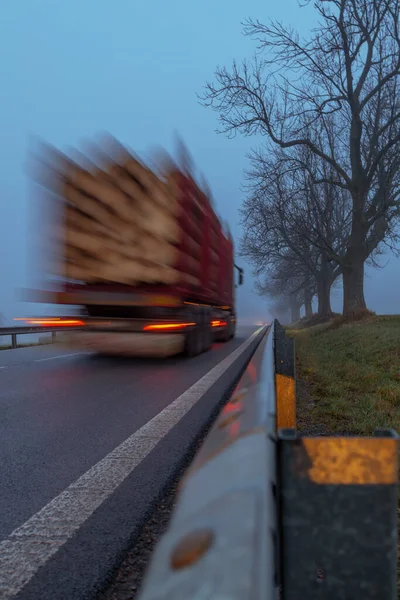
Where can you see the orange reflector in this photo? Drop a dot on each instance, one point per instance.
(351, 461)
(166, 326)
(285, 401)
(218, 323)
(54, 322)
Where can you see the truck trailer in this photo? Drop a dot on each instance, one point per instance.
(142, 256)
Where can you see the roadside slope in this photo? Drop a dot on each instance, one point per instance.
(349, 376)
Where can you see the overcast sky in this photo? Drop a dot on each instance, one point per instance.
(73, 69)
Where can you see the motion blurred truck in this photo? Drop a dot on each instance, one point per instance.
(140, 251)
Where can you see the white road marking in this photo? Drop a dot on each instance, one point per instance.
(32, 544)
(61, 356)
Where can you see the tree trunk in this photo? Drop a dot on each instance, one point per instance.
(294, 310)
(324, 297)
(308, 303)
(295, 313)
(353, 287)
(356, 255)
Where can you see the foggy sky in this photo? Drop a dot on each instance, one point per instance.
(73, 69)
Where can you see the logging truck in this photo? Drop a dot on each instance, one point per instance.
(143, 256)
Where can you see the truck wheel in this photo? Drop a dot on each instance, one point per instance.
(207, 332)
(193, 343)
(229, 332)
(226, 336)
(207, 339)
(194, 338)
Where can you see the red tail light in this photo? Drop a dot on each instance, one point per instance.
(218, 323)
(53, 322)
(167, 326)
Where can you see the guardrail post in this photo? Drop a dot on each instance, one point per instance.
(338, 503)
(285, 378)
(13, 332)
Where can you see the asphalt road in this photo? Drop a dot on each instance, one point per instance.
(86, 446)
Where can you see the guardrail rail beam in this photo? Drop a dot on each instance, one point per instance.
(221, 539)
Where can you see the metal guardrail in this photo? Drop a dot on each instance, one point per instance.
(213, 548)
(264, 513)
(13, 332)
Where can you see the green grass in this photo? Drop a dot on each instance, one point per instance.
(349, 376)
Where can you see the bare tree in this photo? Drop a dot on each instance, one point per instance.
(286, 213)
(349, 67)
(290, 280)
(279, 309)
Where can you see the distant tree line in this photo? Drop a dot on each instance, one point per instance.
(323, 187)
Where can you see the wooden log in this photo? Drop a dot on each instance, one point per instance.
(85, 242)
(188, 264)
(88, 276)
(154, 217)
(82, 267)
(99, 247)
(189, 280)
(74, 255)
(91, 271)
(73, 272)
(160, 274)
(146, 178)
(146, 200)
(100, 186)
(159, 224)
(108, 197)
(190, 246)
(126, 263)
(147, 216)
(141, 188)
(75, 219)
(93, 210)
(102, 257)
(98, 244)
(124, 271)
(158, 251)
(95, 238)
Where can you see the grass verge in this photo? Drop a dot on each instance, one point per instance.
(349, 376)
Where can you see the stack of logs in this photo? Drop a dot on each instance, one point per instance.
(120, 223)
